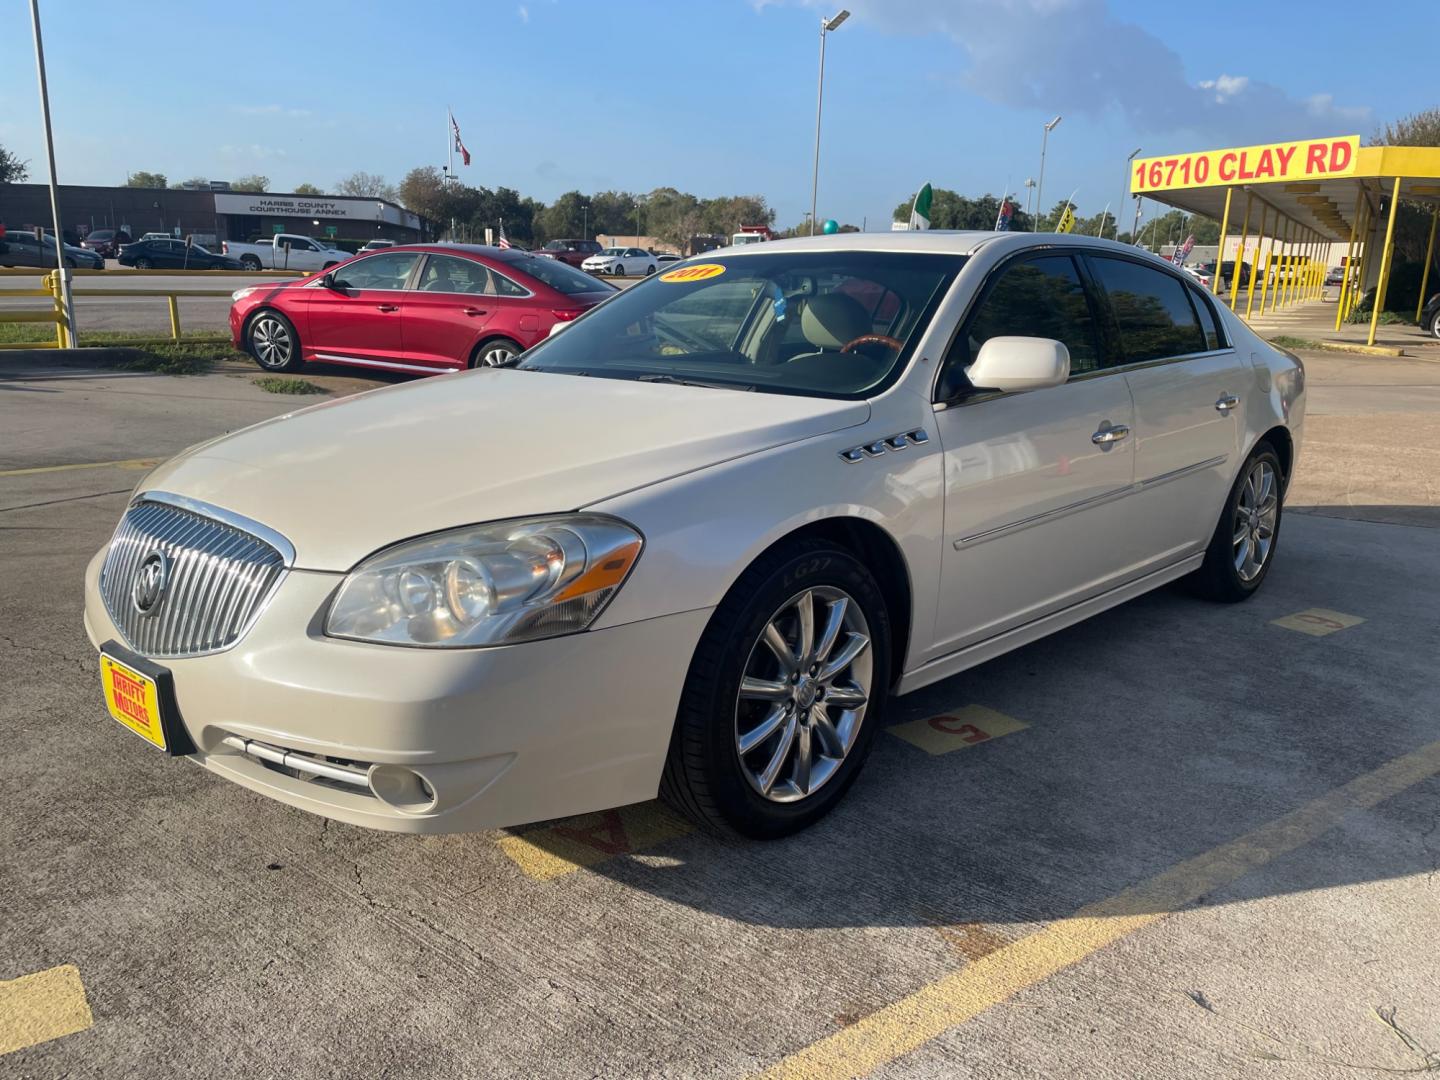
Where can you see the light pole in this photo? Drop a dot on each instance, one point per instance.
(826, 25)
(1133, 155)
(1029, 194)
(62, 276)
(585, 221)
(1040, 187)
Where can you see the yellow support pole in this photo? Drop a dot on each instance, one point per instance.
(1224, 228)
(1239, 251)
(1272, 286)
(1255, 263)
(1386, 254)
(1312, 258)
(1362, 257)
(1282, 278)
(174, 316)
(1317, 270)
(1425, 277)
(1349, 265)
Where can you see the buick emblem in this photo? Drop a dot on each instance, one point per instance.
(150, 583)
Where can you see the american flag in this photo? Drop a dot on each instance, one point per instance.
(504, 240)
(464, 154)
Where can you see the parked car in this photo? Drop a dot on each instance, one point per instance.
(1227, 271)
(424, 308)
(1334, 277)
(1199, 273)
(105, 242)
(574, 252)
(621, 262)
(285, 251)
(1430, 316)
(667, 257)
(377, 245)
(695, 542)
(157, 236)
(170, 254)
(21, 247)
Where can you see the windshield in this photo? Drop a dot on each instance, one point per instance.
(613, 251)
(829, 324)
(562, 277)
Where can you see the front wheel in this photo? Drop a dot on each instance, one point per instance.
(1243, 544)
(1435, 325)
(143, 264)
(273, 342)
(784, 694)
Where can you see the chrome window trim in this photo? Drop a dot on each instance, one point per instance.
(1141, 365)
(225, 517)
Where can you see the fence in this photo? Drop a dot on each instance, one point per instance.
(52, 289)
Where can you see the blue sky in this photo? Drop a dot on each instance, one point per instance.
(710, 96)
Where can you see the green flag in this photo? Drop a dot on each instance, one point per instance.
(920, 212)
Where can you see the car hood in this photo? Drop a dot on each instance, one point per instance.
(342, 479)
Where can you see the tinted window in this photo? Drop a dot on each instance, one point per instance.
(558, 275)
(784, 323)
(1152, 310)
(1207, 319)
(1040, 297)
(387, 271)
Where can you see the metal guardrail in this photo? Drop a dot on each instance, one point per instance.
(52, 289)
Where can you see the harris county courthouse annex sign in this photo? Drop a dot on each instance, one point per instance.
(300, 206)
(1311, 159)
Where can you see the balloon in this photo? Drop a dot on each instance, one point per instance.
(831, 226)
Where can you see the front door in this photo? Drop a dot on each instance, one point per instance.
(359, 318)
(1187, 385)
(1037, 484)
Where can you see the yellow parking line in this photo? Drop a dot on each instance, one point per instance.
(932, 1010)
(591, 839)
(40, 1007)
(132, 463)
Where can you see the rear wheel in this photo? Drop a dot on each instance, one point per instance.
(272, 341)
(649, 269)
(1435, 325)
(497, 352)
(143, 264)
(250, 262)
(1243, 544)
(783, 696)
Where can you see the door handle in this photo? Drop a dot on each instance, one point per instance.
(472, 311)
(1106, 436)
(387, 307)
(1227, 402)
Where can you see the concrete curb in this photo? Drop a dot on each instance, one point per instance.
(106, 356)
(1345, 346)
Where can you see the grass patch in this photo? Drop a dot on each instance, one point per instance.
(1286, 341)
(276, 384)
(191, 355)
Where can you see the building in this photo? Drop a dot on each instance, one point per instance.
(212, 215)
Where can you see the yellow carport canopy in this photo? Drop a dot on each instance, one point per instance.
(1293, 199)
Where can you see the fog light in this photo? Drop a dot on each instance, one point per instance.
(401, 788)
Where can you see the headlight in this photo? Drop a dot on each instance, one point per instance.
(494, 584)
(240, 294)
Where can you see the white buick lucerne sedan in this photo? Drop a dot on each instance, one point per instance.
(694, 542)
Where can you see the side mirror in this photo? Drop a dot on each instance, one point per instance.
(1011, 364)
(330, 281)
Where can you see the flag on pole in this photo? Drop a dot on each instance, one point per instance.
(1002, 219)
(504, 240)
(1183, 251)
(920, 211)
(464, 154)
(1067, 220)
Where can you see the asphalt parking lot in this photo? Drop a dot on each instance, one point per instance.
(1178, 840)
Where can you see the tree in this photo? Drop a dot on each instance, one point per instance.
(146, 180)
(367, 186)
(12, 169)
(255, 182)
(949, 210)
(307, 189)
(423, 191)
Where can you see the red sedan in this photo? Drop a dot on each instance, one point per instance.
(420, 308)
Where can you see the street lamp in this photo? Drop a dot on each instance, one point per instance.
(1040, 187)
(1133, 155)
(585, 221)
(1029, 194)
(61, 274)
(826, 25)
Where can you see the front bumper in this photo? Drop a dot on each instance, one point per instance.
(501, 736)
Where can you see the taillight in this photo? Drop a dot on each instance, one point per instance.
(565, 314)
(224, 247)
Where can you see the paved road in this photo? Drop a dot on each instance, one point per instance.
(1204, 844)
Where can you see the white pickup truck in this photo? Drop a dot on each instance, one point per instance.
(286, 251)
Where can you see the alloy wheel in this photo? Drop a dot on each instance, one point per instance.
(272, 342)
(497, 355)
(803, 694)
(1256, 512)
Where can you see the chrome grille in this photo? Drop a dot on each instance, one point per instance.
(221, 573)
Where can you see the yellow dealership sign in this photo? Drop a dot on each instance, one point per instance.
(1311, 159)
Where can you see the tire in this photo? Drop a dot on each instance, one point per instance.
(1435, 325)
(69, 264)
(495, 352)
(250, 262)
(649, 269)
(617, 271)
(271, 339)
(143, 264)
(709, 776)
(1231, 571)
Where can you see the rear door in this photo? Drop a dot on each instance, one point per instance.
(1187, 383)
(459, 302)
(1037, 484)
(359, 317)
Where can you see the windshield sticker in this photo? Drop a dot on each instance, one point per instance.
(686, 274)
(777, 297)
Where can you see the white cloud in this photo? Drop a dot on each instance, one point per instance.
(524, 13)
(1077, 56)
